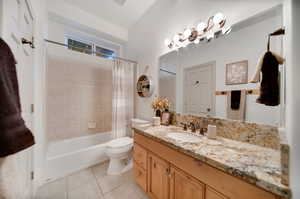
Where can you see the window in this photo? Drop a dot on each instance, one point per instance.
(80, 46)
(90, 48)
(105, 53)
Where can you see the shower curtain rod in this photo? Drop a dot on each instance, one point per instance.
(166, 71)
(87, 50)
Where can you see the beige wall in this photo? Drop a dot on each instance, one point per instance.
(79, 91)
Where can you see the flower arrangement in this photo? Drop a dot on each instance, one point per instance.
(160, 104)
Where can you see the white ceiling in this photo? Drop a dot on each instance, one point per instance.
(113, 11)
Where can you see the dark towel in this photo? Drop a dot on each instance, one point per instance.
(269, 88)
(235, 100)
(14, 135)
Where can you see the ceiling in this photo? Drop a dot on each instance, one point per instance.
(119, 12)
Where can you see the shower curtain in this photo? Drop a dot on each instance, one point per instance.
(123, 98)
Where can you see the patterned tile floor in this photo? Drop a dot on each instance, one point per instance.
(93, 183)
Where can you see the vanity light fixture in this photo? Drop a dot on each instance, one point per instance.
(214, 28)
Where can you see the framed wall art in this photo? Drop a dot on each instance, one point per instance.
(237, 73)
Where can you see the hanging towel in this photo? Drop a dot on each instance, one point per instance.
(14, 135)
(236, 114)
(256, 76)
(270, 86)
(235, 99)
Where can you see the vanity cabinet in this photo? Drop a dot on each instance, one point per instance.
(166, 173)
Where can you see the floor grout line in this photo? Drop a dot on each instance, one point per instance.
(66, 187)
(124, 180)
(98, 184)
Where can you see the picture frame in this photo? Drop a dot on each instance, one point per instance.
(166, 118)
(237, 73)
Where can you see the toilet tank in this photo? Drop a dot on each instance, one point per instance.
(136, 122)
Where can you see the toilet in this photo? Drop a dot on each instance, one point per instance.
(119, 152)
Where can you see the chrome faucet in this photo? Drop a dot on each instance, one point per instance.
(193, 127)
(184, 126)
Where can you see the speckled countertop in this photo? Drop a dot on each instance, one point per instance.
(257, 165)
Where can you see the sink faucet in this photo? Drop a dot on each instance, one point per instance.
(184, 126)
(203, 130)
(193, 127)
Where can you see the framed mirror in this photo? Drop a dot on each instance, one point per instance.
(212, 78)
(145, 86)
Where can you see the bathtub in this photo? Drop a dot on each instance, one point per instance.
(68, 156)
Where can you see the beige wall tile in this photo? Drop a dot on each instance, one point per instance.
(77, 94)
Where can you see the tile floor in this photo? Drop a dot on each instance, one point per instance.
(93, 183)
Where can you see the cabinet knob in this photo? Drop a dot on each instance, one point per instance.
(140, 173)
(168, 171)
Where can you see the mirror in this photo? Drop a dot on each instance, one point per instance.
(144, 86)
(197, 79)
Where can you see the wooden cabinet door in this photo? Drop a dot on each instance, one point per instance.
(158, 177)
(212, 194)
(183, 186)
(140, 156)
(140, 175)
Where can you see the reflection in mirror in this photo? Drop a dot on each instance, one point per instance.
(193, 78)
(167, 78)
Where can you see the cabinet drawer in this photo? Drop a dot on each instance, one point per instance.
(140, 156)
(140, 175)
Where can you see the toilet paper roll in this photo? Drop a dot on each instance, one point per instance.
(212, 131)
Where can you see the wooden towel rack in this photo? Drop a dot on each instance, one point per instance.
(249, 92)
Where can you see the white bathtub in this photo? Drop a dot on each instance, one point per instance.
(68, 156)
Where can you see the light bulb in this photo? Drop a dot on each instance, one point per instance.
(167, 42)
(218, 18)
(210, 36)
(201, 26)
(187, 32)
(176, 38)
(197, 41)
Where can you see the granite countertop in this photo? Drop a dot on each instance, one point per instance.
(256, 165)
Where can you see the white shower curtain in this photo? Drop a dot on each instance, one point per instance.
(123, 92)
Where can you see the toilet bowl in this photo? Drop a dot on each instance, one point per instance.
(119, 152)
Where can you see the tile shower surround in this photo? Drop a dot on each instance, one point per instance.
(77, 94)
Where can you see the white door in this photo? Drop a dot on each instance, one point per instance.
(17, 23)
(198, 90)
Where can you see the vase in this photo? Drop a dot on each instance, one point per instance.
(158, 113)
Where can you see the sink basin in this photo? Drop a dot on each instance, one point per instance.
(184, 137)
